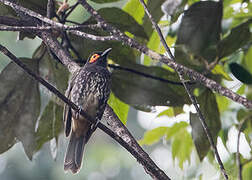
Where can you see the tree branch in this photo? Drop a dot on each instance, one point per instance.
(187, 88)
(119, 36)
(122, 135)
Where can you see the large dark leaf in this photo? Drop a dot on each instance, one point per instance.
(19, 107)
(241, 73)
(37, 6)
(209, 109)
(155, 9)
(200, 29)
(120, 19)
(238, 37)
(135, 89)
(6, 10)
(54, 72)
(50, 124)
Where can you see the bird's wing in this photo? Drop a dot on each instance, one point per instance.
(67, 113)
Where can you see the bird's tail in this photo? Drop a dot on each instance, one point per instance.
(74, 154)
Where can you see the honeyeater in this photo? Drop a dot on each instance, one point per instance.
(89, 88)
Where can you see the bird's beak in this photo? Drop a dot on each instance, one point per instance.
(105, 53)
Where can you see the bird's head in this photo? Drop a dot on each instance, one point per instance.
(99, 58)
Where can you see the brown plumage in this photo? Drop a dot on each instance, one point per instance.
(89, 88)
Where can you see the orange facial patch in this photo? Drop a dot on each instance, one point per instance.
(94, 58)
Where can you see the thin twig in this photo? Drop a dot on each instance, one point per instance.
(127, 140)
(187, 88)
(148, 75)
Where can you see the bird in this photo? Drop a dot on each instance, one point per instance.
(89, 88)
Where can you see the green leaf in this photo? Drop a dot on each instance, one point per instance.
(218, 69)
(135, 89)
(247, 171)
(248, 61)
(222, 102)
(182, 146)
(224, 135)
(228, 12)
(241, 90)
(209, 109)
(19, 106)
(200, 28)
(50, 124)
(153, 136)
(241, 73)
(171, 131)
(245, 115)
(181, 140)
(247, 128)
(238, 37)
(171, 112)
(241, 114)
(120, 108)
(120, 19)
(105, 1)
(135, 9)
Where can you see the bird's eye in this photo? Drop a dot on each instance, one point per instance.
(94, 58)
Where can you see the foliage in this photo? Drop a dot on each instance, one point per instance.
(212, 38)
